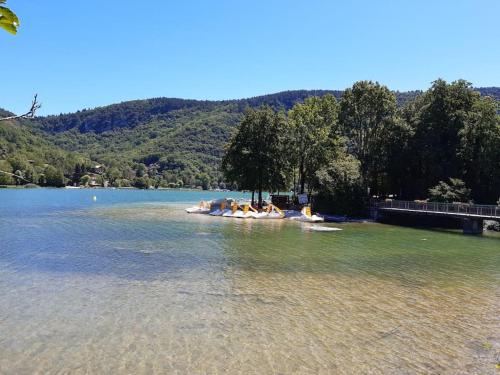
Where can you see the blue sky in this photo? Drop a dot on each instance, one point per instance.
(83, 54)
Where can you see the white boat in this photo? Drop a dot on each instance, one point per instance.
(272, 212)
(312, 219)
(267, 215)
(239, 211)
(240, 214)
(306, 216)
(203, 208)
(219, 207)
(218, 212)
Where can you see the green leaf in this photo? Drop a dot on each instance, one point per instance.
(9, 27)
(7, 13)
(8, 19)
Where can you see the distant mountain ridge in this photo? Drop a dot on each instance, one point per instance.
(131, 113)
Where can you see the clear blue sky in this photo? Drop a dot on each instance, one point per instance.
(82, 54)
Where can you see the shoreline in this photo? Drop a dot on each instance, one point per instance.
(15, 187)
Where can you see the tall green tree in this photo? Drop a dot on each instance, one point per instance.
(255, 158)
(314, 136)
(238, 161)
(479, 150)
(113, 175)
(339, 186)
(367, 115)
(53, 177)
(456, 134)
(438, 117)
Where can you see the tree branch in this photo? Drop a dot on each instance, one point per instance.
(35, 105)
(15, 176)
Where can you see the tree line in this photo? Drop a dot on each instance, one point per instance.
(339, 148)
(443, 144)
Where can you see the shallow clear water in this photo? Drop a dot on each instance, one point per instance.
(131, 284)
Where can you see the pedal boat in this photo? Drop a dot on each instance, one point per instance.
(271, 212)
(203, 208)
(307, 217)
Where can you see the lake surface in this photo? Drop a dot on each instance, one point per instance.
(130, 284)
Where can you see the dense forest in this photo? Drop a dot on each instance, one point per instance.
(166, 142)
(444, 145)
(27, 156)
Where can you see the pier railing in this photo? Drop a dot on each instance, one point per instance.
(444, 208)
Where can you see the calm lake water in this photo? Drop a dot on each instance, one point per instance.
(130, 284)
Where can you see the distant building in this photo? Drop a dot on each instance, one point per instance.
(94, 180)
(97, 169)
(96, 177)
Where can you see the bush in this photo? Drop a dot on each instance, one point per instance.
(5, 178)
(492, 225)
(84, 180)
(53, 177)
(141, 182)
(455, 191)
(121, 182)
(339, 187)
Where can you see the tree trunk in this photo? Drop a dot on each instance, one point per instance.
(294, 182)
(253, 198)
(302, 183)
(260, 189)
(302, 176)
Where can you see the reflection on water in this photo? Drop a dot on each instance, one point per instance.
(135, 285)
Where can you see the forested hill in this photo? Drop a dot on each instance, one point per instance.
(173, 141)
(132, 113)
(493, 92)
(30, 154)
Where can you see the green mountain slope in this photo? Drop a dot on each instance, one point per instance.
(29, 152)
(174, 141)
(177, 140)
(188, 143)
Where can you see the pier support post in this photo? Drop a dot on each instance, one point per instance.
(473, 226)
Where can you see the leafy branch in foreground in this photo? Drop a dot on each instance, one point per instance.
(35, 105)
(8, 19)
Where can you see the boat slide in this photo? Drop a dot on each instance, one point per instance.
(219, 208)
(202, 208)
(306, 216)
(271, 212)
